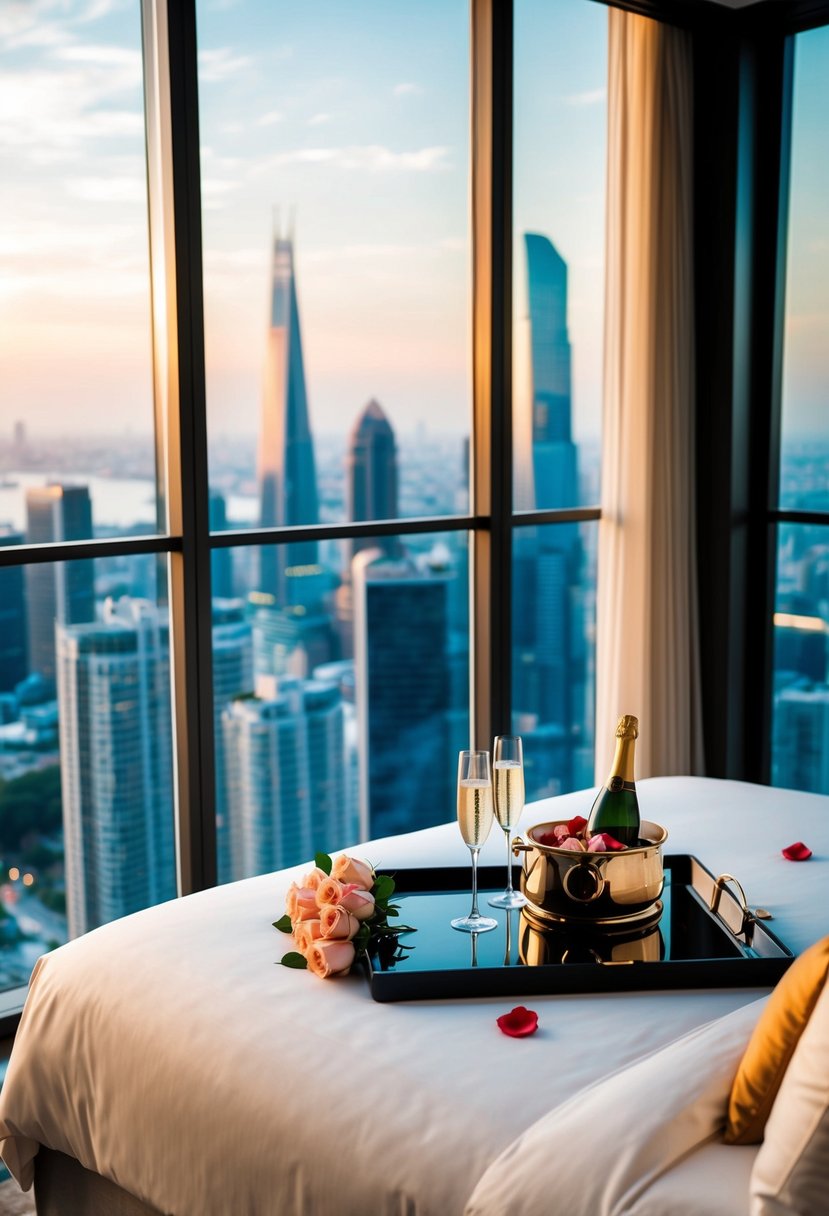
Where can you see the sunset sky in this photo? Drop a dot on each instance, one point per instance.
(353, 120)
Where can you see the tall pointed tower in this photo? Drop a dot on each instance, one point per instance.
(549, 654)
(554, 456)
(371, 471)
(287, 474)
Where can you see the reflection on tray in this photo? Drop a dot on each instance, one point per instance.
(682, 942)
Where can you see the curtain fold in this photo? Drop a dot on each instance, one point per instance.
(647, 631)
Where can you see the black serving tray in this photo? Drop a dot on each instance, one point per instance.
(690, 945)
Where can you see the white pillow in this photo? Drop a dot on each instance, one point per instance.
(604, 1148)
(791, 1173)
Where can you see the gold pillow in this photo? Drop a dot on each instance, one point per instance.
(772, 1044)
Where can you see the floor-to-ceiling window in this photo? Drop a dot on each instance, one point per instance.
(560, 139)
(86, 741)
(800, 724)
(335, 200)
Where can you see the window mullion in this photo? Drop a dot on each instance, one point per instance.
(171, 92)
(491, 472)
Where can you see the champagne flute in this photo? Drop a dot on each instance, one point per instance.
(474, 821)
(508, 771)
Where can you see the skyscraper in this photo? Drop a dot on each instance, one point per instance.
(800, 751)
(285, 774)
(221, 560)
(116, 763)
(287, 473)
(232, 677)
(371, 470)
(371, 484)
(403, 694)
(554, 456)
(549, 662)
(62, 592)
(13, 661)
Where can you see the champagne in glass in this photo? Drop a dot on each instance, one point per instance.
(474, 821)
(508, 769)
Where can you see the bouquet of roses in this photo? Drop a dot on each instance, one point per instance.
(339, 910)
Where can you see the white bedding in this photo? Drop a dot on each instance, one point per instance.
(168, 1051)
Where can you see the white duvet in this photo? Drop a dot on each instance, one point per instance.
(170, 1053)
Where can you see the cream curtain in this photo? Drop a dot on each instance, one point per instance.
(647, 635)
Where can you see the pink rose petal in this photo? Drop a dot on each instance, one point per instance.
(797, 852)
(518, 1023)
(596, 844)
(573, 845)
(611, 843)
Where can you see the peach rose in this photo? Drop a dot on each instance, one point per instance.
(330, 891)
(330, 957)
(314, 877)
(575, 846)
(352, 869)
(301, 903)
(359, 903)
(561, 831)
(336, 922)
(305, 933)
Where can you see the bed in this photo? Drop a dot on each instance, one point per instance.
(165, 1063)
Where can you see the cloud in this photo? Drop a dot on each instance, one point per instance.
(231, 261)
(269, 119)
(47, 112)
(370, 158)
(103, 56)
(220, 63)
(96, 9)
(108, 189)
(406, 87)
(317, 120)
(590, 97)
(213, 190)
(388, 251)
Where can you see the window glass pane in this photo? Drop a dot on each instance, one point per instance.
(553, 654)
(76, 397)
(804, 474)
(339, 716)
(336, 255)
(800, 728)
(558, 257)
(86, 778)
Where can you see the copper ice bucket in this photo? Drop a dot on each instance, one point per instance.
(618, 944)
(597, 890)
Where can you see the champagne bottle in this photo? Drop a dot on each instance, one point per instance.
(616, 809)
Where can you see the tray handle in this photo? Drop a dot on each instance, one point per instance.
(747, 915)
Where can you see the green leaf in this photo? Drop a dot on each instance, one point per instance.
(283, 924)
(323, 861)
(392, 911)
(383, 887)
(292, 959)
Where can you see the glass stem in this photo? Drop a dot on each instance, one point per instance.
(509, 863)
(474, 914)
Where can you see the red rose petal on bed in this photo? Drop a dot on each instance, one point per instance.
(575, 825)
(518, 1022)
(797, 852)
